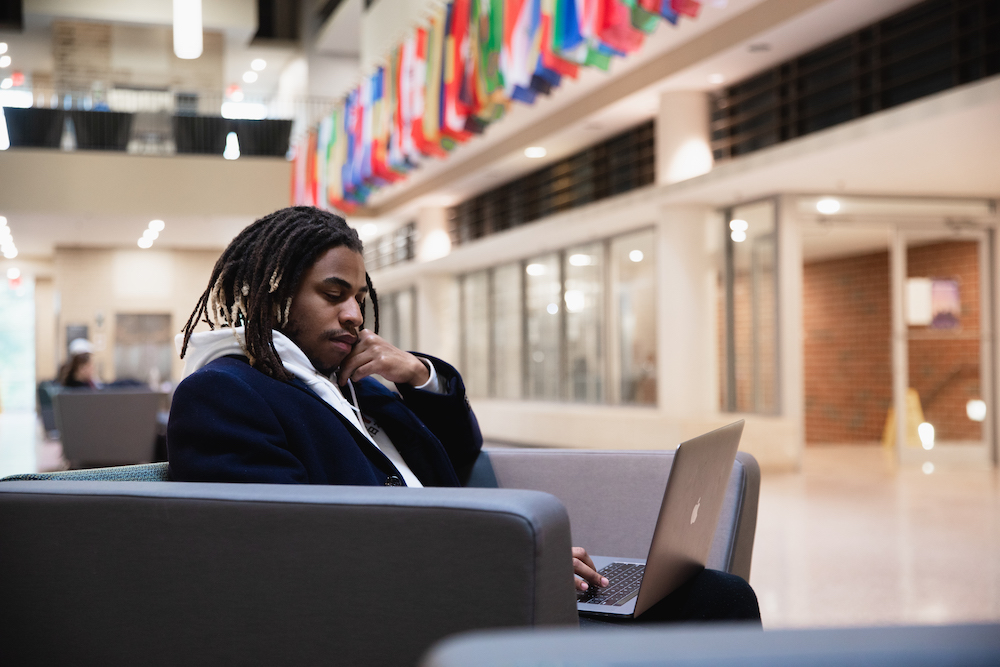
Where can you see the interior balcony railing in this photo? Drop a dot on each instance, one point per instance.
(155, 122)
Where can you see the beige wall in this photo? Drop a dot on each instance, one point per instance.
(45, 329)
(96, 284)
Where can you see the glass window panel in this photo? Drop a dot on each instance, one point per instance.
(507, 331)
(542, 310)
(751, 339)
(584, 303)
(476, 333)
(633, 281)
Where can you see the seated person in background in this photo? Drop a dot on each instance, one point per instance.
(281, 391)
(78, 371)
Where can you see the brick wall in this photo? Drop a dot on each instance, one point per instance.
(848, 359)
(848, 356)
(944, 363)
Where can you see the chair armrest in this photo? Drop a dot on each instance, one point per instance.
(178, 573)
(613, 497)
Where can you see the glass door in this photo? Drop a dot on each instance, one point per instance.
(941, 345)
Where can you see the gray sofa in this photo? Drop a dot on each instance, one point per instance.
(726, 646)
(152, 572)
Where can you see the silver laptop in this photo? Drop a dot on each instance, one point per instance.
(684, 530)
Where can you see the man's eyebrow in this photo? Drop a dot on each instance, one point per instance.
(340, 282)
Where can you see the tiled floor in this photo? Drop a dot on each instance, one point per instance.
(854, 540)
(850, 540)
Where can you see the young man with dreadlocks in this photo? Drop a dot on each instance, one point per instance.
(281, 391)
(278, 390)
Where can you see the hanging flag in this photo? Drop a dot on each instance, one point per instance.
(686, 7)
(454, 112)
(432, 85)
(615, 27)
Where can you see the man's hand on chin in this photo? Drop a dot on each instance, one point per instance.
(374, 355)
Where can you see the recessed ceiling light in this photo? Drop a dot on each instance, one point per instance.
(535, 152)
(145, 243)
(13, 273)
(249, 76)
(258, 64)
(636, 255)
(368, 230)
(828, 206)
(738, 225)
(156, 225)
(3, 47)
(6, 83)
(150, 234)
(738, 235)
(716, 79)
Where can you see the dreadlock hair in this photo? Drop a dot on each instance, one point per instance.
(256, 276)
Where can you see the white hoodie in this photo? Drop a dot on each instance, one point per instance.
(207, 346)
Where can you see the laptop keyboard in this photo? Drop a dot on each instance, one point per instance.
(623, 585)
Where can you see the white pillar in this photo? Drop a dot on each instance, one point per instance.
(433, 241)
(687, 366)
(683, 137)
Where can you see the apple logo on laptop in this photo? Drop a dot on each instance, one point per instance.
(694, 512)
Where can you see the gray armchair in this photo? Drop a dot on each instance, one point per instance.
(108, 426)
(156, 572)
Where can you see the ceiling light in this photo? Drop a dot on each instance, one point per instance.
(4, 61)
(738, 235)
(738, 225)
(4, 137)
(13, 273)
(232, 151)
(21, 99)
(10, 253)
(368, 230)
(581, 260)
(716, 79)
(150, 234)
(535, 269)
(828, 206)
(552, 308)
(3, 47)
(575, 300)
(156, 225)
(236, 95)
(258, 64)
(927, 467)
(249, 76)
(187, 29)
(535, 152)
(145, 243)
(6, 83)
(636, 256)
(245, 110)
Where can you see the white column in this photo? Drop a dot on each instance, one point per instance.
(686, 300)
(433, 241)
(683, 139)
(790, 329)
(437, 294)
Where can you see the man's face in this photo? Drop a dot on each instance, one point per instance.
(327, 309)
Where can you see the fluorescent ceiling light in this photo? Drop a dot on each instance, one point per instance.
(21, 99)
(187, 29)
(258, 64)
(244, 110)
(581, 260)
(828, 206)
(4, 137)
(535, 269)
(535, 152)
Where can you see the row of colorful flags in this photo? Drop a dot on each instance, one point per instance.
(451, 78)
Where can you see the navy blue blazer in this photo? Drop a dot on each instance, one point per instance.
(231, 423)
